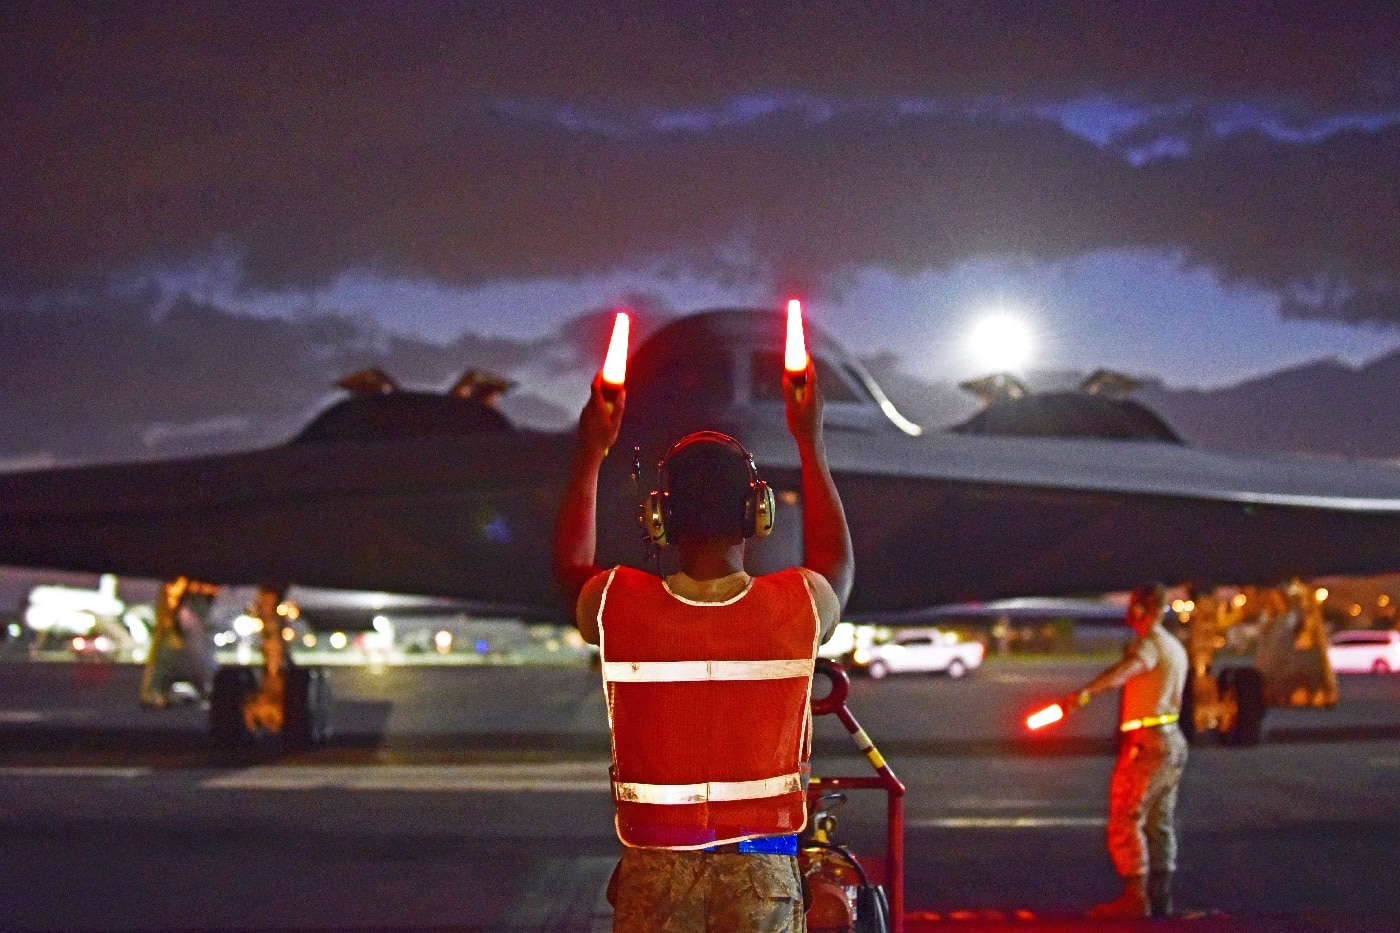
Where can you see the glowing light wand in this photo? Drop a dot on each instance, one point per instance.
(1044, 717)
(795, 354)
(615, 363)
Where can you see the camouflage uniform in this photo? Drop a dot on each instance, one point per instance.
(668, 891)
(1142, 793)
(1142, 801)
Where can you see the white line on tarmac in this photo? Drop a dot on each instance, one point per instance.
(546, 777)
(1392, 761)
(76, 772)
(21, 715)
(1010, 822)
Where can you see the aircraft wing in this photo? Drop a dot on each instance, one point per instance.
(948, 517)
(468, 517)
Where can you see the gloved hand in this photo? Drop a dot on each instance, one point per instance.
(1075, 701)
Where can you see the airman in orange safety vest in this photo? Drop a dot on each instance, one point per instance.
(708, 673)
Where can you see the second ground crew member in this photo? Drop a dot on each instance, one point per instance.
(708, 675)
(1151, 758)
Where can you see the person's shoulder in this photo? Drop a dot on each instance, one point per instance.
(823, 596)
(598, 582)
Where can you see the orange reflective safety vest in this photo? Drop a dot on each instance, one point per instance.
(710, 709)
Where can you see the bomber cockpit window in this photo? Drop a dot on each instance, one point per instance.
(765, 383)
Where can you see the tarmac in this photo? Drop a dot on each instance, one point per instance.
(476, 799)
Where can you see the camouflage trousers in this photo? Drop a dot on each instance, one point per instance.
(1142, 801)
(663, 891)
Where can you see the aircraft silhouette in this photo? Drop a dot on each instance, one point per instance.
(439, 495)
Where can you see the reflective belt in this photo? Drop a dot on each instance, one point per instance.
(634, 792)
(677, 671)
(1147, 722)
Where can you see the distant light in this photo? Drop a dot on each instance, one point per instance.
(1383, 600)
(288, 634)
(309, 640)
(1001, 343)
(482, 646)
(1238, 600)
(443, 641)
(338, 640)
(1355, 609)
(382, 625)
(1321, 593)
(1178, 605)
(247, 626)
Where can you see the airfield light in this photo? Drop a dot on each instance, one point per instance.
(1041, 718)
(795, 354)
(615, 363)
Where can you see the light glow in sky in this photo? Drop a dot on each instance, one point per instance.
(1001, 342)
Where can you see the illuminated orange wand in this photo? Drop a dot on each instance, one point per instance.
(795, 354)
(615, 363)
(1056, 711)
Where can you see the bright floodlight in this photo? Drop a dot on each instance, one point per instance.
(1001, 343)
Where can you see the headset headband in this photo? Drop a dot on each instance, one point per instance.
(759, 507)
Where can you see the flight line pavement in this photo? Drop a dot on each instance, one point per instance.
(477, 799)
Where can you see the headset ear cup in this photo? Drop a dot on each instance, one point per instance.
(764, 509)
(654, 518)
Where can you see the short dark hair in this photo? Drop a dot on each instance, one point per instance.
(1154, 594)
(708, 484)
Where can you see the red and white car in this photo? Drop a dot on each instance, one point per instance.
(1365, 651)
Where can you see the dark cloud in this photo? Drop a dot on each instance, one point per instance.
(101, 381)
(312, 138)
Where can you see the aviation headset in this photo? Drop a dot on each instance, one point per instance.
(759, 509)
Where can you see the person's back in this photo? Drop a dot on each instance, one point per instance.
(708, 676)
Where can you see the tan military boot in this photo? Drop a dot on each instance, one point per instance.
(1131, 903)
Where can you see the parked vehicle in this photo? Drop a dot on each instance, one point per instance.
(920, 651)
(1365, 652)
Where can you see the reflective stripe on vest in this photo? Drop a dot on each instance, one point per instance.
(714, 791)
(709, 708)
(679, 671)
(1147, 722)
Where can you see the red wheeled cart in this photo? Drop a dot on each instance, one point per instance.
(849, 894)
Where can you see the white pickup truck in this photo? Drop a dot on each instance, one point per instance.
(920, 651)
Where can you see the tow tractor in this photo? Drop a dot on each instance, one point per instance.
(1290, 668)
(851, 895)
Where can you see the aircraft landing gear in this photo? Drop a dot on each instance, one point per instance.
(280, 698)
(305, 709)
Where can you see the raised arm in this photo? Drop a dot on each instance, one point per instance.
(576, 529)
(826, 539)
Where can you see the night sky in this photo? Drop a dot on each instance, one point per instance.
(209, 211)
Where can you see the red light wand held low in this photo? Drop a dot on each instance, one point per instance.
(615, 363)
(1044, 717)
(795, 354)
